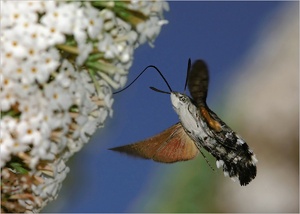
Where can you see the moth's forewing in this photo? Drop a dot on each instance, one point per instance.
(171, 145)
(198, 80)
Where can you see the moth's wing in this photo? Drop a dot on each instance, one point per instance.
(198, 80)
(198, 85)
(171, 145)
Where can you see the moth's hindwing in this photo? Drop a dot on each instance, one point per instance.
(169, 146)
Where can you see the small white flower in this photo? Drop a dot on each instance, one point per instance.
(103, 113)
(7, 99)
(6, 147)
(12, 43)
(108, 100)
(88, 129)
(60, 18)
(58, 97)
(107, 46)
(25, 90)
(50, 61)
(27, 133)
(84, 50)
(94, 22)
(87, 82)
(80, 35)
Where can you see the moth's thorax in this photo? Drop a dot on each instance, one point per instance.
(188, 114)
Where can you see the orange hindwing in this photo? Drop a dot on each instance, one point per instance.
(171, 145)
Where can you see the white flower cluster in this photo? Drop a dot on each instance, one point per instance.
(59, 61)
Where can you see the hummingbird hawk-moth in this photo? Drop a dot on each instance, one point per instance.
(199, 128)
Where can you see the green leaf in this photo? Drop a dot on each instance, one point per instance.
(19, 168)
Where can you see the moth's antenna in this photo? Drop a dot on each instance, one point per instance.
(160, 91)
(149, 66)
(187, 74)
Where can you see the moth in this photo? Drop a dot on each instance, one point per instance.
(199, 128)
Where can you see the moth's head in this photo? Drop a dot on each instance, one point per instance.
(179, 101)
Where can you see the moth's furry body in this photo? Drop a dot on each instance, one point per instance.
(231, 152)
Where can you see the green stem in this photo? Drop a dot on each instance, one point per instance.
(95, 57)
(10, 113)
(92, 73)
(106, 68)
(68, 48)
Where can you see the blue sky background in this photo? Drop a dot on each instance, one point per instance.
(221, 33)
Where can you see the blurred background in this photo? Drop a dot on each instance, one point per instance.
(252, 50)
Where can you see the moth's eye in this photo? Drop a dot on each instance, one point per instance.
(182, 99)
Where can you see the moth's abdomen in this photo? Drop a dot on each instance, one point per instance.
(237, 163)
(230, 150)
